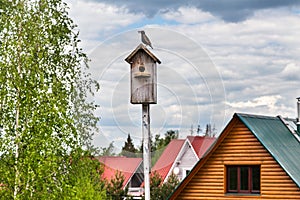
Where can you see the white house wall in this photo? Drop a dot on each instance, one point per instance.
(185, 160)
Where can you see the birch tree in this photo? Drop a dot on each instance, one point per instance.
(44, 112)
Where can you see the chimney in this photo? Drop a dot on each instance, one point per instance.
(298, 115)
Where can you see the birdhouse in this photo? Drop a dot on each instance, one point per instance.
(143, 77)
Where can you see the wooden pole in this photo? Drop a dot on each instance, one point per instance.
(146, 148)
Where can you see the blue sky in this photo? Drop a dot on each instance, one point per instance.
(218, 58)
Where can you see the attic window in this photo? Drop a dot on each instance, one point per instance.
(243, 179)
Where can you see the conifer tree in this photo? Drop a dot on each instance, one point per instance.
(115, 190)
(128, 149)
(161, 190)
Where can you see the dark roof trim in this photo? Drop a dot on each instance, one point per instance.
(143, 48)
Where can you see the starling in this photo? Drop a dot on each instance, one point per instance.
(145, 39)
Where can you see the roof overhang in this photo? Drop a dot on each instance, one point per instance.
(141, 47)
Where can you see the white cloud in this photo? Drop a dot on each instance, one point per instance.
(267, 101)
(257, 59)
(291, 72)
(97, 21)
(273, 105)
(189, 15)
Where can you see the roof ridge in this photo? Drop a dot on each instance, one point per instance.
(255, 116)
(142, 47)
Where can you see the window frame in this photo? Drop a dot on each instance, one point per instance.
(185, 170)
(250, 179)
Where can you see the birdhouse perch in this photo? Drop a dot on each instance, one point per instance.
(143, 76)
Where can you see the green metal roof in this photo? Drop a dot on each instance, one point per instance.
(277, 136)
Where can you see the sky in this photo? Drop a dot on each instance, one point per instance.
(217, 58)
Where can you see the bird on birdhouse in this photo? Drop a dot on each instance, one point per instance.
(145, 39)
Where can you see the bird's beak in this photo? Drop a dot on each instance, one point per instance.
(139, 31)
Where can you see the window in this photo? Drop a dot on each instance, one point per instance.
(186, 172)
(243, 179)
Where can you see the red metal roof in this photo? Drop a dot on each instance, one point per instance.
(163, 165)
(167, 158)
(112, 164)
(201, 144)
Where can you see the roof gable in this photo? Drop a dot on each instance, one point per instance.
(182, 154)
(265, 130)
(142, 47)
(127, 166)
(168, 157)
(201, 144)
(174, 152)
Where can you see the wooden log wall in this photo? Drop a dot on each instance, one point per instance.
(240, 147)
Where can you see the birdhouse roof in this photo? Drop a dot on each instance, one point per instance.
(141, 47)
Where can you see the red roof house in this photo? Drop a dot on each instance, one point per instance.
(164, 164)
(181, 155)
(131, 168)
(201, 144)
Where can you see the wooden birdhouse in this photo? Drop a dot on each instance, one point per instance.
(143, 77)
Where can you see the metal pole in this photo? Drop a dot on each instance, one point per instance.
(146, 148)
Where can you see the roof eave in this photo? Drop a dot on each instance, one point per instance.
(142, 47)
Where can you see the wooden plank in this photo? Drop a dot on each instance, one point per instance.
(240, 147)
(281, 192)
(283, 187)
(283, 197)
(207, 184)
(271, 168)
(276, 174)
(277, 181)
